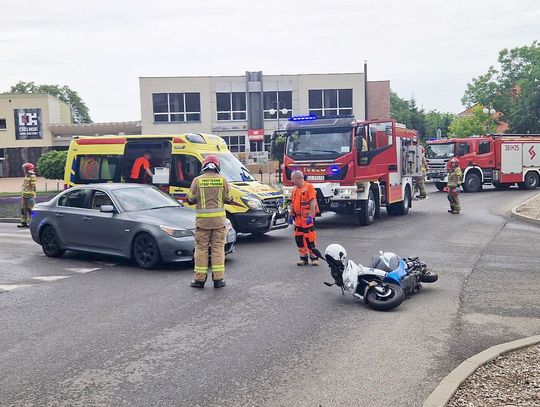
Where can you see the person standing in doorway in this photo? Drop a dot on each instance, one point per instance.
(303, 211)
(210, 192)
(141, 169)
(28, 194)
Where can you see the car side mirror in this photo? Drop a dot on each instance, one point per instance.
(107, 208)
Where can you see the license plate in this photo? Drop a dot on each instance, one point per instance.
(315, 177)
(279, 221)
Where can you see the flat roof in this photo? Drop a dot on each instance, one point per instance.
(92, 129)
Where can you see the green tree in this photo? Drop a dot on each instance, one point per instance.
(400, 109)
(476, 124)
(51, 165)
(512, 89)
(438, 120)
(79, 110)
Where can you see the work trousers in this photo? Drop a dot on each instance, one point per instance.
(421, 186)
(453, 198)
(214, 239)
(305, 238)
(26, 209)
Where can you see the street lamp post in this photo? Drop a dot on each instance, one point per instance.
(277, 109)
(490, 112)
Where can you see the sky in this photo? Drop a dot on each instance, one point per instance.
(428, 50)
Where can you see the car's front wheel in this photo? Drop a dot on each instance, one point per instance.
(50, 243)
(146, 251)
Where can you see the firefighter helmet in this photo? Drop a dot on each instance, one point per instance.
(28, 166)
(211, 162)
(454, 161)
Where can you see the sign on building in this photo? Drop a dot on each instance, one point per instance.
(28, 124)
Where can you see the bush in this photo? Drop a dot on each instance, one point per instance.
(51, 165)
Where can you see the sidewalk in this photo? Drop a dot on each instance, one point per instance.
(501, 376)
(14, 184)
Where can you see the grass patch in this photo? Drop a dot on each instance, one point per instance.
(40, 193)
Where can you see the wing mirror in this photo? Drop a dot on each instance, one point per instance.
(107, 208)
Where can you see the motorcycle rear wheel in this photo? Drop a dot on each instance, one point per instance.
(392, 298)
(429, 277)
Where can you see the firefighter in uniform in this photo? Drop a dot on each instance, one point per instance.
(454, 182)
(421, 180)
(209, 191)
(302, 214)
(28, 194)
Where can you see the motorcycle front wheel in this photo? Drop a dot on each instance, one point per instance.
(429, 277)
(389, 297)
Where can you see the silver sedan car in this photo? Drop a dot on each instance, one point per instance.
(134, 221)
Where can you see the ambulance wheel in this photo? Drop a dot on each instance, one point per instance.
(145, 251)
(531, 181)
(49, 242)
(368, 209)
(440, 186)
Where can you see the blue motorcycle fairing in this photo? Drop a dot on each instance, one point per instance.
(397, 275)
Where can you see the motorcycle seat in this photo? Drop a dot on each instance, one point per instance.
(378, 263)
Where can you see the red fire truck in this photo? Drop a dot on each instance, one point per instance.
(356, 166)
(501, 160)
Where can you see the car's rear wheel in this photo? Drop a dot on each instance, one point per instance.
(146, 251)
(50, 243)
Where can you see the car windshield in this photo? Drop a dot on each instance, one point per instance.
(319, 143)
(440, 150)
(140, 199)
(232, 169)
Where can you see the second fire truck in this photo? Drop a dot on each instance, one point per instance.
(356, 167)
(501, 160)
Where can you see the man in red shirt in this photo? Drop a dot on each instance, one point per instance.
(303, 211)
(141, 168)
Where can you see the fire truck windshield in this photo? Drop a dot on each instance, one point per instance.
(319, 143)
(440, 150)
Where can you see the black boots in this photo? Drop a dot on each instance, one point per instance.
(197, 284)
(219, 283)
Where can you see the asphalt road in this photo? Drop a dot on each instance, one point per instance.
(110, 334)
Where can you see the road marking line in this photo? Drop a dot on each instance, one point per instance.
(82, 270)
(49, 278)
(11, 287)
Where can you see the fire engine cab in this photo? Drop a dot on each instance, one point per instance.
(501, 160)
(355, 166)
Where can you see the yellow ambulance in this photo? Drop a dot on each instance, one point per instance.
(175, 161)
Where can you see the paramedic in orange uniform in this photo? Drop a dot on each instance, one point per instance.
(141, 168)
(303, 210)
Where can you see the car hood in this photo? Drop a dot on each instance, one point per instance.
(178, 217)
(255, 188)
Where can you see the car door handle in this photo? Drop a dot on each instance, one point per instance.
(59, 215)
(87, 218)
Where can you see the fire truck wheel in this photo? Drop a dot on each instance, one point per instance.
(368, 208)
(472, 183)
(401, 207)
(531, 181)
(440, 185)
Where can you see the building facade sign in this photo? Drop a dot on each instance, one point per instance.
(28, 124)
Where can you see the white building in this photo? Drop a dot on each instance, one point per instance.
(254, 105)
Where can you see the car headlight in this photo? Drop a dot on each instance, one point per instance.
(173, 232)
(253, 203)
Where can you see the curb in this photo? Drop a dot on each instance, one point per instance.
(446, 389)
(525, 218)
(10, 220)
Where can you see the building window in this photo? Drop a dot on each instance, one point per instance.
(3, 125)
(236, 144)
(277, 101)
(231, 106)
(176, 107)
(2, 153)
(328, 102)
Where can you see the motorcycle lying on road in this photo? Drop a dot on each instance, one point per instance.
(384, 284)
